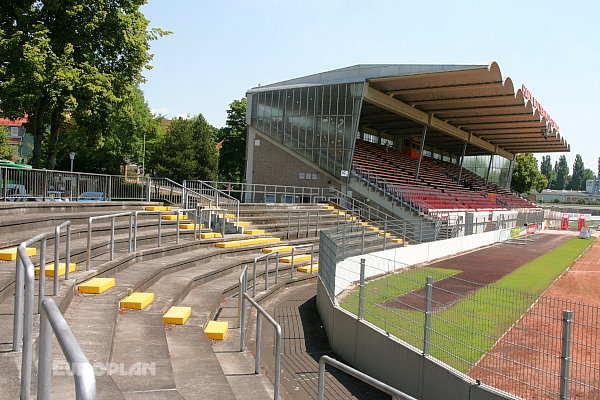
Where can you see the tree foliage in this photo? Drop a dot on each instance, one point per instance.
(232, 138)
(547, 171)
(525, 173)
(577, 181)
(6, 152)
(562, 173)
(75, 57)
(188, 151)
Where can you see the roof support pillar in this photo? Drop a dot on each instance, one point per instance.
(487, 174)
(421, 151)
(510, 172)
(462, 157)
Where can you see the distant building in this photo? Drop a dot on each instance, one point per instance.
(22, 142)
(592, 186)
(567, 196)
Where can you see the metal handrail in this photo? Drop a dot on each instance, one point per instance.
(260, 312)
(112, 234)
(52, 321)
(218, 193)
(395, 393)
(312, 252)
(266, 257)
(57, 231)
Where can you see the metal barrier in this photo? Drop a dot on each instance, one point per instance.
(312, 252)
(218, 197)
(112, 234)
(57, 231)
(324, 360)
(260, 312)
(266, 274)
(261, 193)
(51, 320)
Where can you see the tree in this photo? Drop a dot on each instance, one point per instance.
(61, 58)
(232, 138)
(525, 173)
(562, 173)
(6, 151)
(577, 182)
(541, 183)
(546, 170)
(587, 175)
(188, 151)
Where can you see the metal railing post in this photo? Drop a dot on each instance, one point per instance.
(112, 238)
(68, 252)
(56, 261)
(287, 236)
(565, 356)
(254, 280)
(292, 264)
(258, 342)
(361, 290)
(427, 326)
(384, 232)
(177, 228)
(276, 267)
(42, 275)
(267, 271)
(312, 256)
(242, 307)
(18, 306)
(130, 233)
(159, 228)
(89, 245)
(362, 241)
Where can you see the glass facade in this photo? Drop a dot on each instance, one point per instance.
(479, 165)
(318, 122)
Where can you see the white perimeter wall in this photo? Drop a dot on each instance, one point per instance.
(379, 262)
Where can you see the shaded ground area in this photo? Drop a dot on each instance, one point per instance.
(304, 342)
(534, 343)
(484, 267)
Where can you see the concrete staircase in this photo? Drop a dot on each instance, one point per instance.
(137, 355)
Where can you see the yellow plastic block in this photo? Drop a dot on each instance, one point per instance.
(397, 240)
(351, 218)
(216, 330)
(388, 234)
(177, 315)
(209, 235)
(191, 226)
(243, 223)
(137, 301)
(279, 248)
(174, 217)
(96, 285)
(306, 268)
(11, 254)
(158, 208)
(362, 223)
(61, 269)
(248, 242)
(297, 257)
(327, 207)
(254, 231)
(339, 212)
(373, 228)
(227, 215)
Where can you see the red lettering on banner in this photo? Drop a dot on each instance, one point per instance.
(528, 96)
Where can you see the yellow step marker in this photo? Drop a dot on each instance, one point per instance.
(306, 268)
(227, 215)
(279, 248)
(158, 208)
(137, 301)
(191, 226)
(373, 229)
(327, 207)
(209, 235)
(177, 315)
(174, 217)
(247, 242)
(61, 269)
(339, 212)
(351, 218)
(216, 330)
(11, 253)
(297, 258)
(397, 240)
(254, 231)
(96, 285)
(362, 223)
(388, 234)
(243, 223)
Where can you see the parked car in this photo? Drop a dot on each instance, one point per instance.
(15, 192)
(91, 196)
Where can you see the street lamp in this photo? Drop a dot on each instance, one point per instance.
(72, 157)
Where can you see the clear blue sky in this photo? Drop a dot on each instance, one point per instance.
(219, 49)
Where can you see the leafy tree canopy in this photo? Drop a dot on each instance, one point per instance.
(232, 139)
(525, 173)
(562, 173)
(6, 152)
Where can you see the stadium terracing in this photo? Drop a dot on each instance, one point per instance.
(436, 138)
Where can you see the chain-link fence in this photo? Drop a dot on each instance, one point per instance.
(521, 343)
